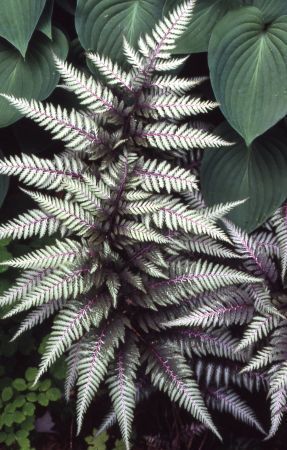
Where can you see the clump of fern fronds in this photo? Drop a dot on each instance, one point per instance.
(131, 253)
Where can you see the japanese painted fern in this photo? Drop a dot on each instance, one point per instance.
(127, 239)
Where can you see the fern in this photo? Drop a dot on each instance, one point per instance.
(135, 245)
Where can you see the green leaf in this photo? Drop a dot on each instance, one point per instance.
(19, 417)
(19, 401)
(31, 373)
(29, 409)
(206, 15)
(97, 442)
(19, 384)
(32, 397)
(53, 394)
(43, 399)
(34, 77)
(7, 394)
(18, 20)
(270, 9)
(101, 24)
(45, 385)
(257, 173)
(247, 61)
(45, 22)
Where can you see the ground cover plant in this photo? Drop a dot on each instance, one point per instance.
(151, 291)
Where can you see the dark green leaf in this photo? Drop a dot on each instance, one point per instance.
(19, 384)
(18, 20)
(7, 394)
(34, 77)
(45, 22)
(101, 24)
(248, 70)
(257, 173)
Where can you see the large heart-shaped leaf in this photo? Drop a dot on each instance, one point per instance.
(256, 173)
(18, 20)
(248, 70)
(206, 15)
(101, 24)
(32, 77)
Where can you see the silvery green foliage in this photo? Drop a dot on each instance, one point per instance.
(131, 253)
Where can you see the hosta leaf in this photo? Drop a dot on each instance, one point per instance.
(206, 15)
(45, 22)
(32, 77)
(247, 61)
(101, 24)
(18, 20)
(269, 9)
(257, 173)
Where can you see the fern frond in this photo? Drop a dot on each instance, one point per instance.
(218, 314)
(23, 285)
(77, 131)
(173, 107)
(177, 216)
(63, 253)
(72, 322)
(26, 225)
(258, 328)
(227, 400)
(202, 245)
(62, 283)
(178, 86)
(161, 41)
(40, 172)
(277, 409)
(91, 93)
(112, 72)
(132, 56)
(176, 380)
(255, 262)
(72, 215)
(139, 232)
(262, 358)
(122, 388)
(38, 316)
(97, 352)
(188, 279)
(167, 136)
(156, 175)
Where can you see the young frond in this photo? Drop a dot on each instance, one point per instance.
(76, 130)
